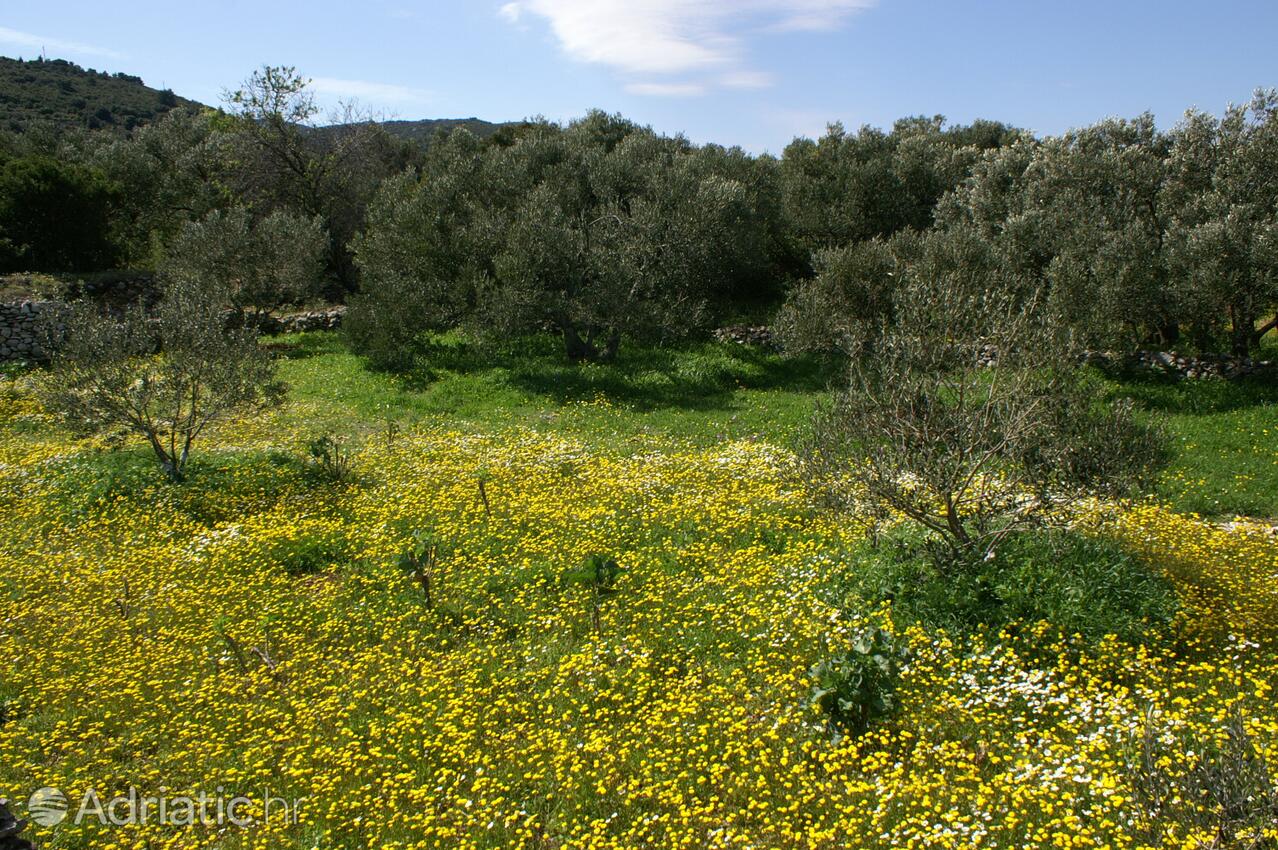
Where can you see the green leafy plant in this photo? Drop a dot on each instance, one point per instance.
(421, 562)
(1080, 584)
(599, 574)
(334, 456)
(857, 687)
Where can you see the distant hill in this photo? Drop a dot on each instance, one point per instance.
(63, 93)
(422, 131)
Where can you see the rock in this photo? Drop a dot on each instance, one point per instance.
(10, 827)
(757, 336)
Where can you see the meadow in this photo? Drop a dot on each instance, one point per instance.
(253, 630)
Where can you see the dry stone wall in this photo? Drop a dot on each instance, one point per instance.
(21, 332)
(20, 328)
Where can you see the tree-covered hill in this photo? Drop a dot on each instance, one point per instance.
(424, 130)
(63, 93)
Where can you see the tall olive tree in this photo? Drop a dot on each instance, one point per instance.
(428, 241)
(599, 230)
(1082, 215)
(616, 232)
(851, 187)
(274, 156)
(168, 172)
(1224, 198)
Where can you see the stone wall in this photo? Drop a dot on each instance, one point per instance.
(758, 336)
(312, 320)
(20, 332)
(1182, 367)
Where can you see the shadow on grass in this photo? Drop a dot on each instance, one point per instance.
(219, 485)
(643, 378)
(301, 346)
(1165, 394)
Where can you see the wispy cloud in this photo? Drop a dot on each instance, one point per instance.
(667, 89)
(707, 40)
(54, 45)
(372, 92)
(747, 80)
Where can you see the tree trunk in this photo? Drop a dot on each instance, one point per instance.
(575, 347)
(612, 346)
(1168, 334)
(168, 462)
(1260, 332)
(587, 349)
(1242, 330)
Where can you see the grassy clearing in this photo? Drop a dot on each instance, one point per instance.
(703, 394)
(1224, 435)
(1224, 442)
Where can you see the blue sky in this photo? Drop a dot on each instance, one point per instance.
(749, 72)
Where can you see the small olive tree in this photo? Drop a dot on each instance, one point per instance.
(966, 412)
(166, 378)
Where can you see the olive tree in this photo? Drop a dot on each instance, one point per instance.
(168, 174)
(249, 266)
(1082, 214)
(598, 231)
(1224, 198)
(964, 411)
(850, 187)
(165, 378)
(273, 156)
(617, 232)
(423, 250)
(853, 285)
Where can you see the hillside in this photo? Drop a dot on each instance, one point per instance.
(422, 130)
(61, 92)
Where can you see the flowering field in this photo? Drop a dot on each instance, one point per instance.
(250, 633)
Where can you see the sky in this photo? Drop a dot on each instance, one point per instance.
(754, 73)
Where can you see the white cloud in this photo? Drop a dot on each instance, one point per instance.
(373, 92)
(645, 38)
(54, 45)
(666, 89)
(747, 80)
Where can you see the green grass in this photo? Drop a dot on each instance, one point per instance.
(1224, 438)
(1081, 585)
(1223, 435)
(703, 393)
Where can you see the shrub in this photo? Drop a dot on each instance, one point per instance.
(333, 456)
(1219, 787)
(421, 562)
(856, 688)
(1081, 585)
(965, 411)
(598, 573)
